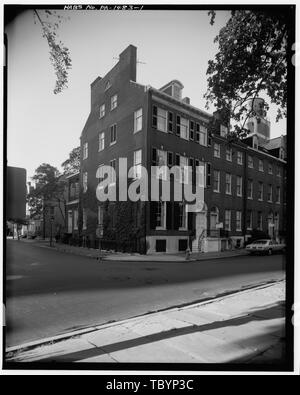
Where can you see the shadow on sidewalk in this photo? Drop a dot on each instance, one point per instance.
(271, 312)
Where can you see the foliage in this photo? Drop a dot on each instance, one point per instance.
(251, 61)
(72, 164)
(49, 189)
(59, 54)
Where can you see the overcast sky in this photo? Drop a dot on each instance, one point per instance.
(43, 127)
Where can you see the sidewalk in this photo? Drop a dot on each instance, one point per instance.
(244, 327)
(126, 257)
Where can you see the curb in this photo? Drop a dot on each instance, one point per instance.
(69, 335)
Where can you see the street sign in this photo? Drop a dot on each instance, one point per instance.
(99, 231)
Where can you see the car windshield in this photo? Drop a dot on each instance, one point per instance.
(261, 242)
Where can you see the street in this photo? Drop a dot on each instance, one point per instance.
(50, 292)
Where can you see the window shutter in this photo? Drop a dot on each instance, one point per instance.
(192, 126)
(169, 215)
(176, 215)
(154, 117)
(208, 174)
(178, 125)
(170, 122)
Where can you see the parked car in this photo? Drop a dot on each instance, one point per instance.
(265, 246)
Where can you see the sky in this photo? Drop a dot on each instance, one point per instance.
(43, 127)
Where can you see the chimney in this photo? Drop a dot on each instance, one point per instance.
(128, 58)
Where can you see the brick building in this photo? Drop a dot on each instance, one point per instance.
(244, 180)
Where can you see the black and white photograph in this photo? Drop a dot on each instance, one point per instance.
(148, 189)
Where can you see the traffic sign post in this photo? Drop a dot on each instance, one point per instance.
(99, 234)
(51, 222)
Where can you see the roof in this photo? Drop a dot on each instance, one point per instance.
(275, 143)
(171, 83)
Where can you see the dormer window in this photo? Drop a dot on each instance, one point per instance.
(174, 89)
(223, 131)
(107, 86)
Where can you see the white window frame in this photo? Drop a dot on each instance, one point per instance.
(229, 154)
(113, 102)
(85, 181)
(217, 150)
(227, 222)
(137, 164)
(260, 191)
(102, 111)
(101, 141)
(218, 180)
(203, 136)
(230, 184)
(114, 128)
(250, 182)
(250, 162)
(162, 120)
(162, 225)
(75, 219)
(261, 165)
(239, 157)
(184, 128)
(184, 216)
(223, 130)
(259, 220)
(239, 194)
(85, 151)
(138, 120)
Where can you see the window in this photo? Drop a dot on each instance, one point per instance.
(113, 134)
(260, 191)
(216, 185)
(239, 158)
(101, 141)
(184, 125)
(182, 216)
(162, 120)
(270, 193)
(203, 135)
(217, 150)
(270, 168)
(197, 133)
(255, 142)
(239, 186)
(228, 184)
(102, 111)
(208, 174)
(278, 172)
(249, 220)
(137, 163)
(85, 150)
(260, 165)
(214, 218)
(161, 160)
(229, 154)
(227, 219)
(223, 130)
(160, 215)
(184, 169)
(85, 181)
(75, 219)
(281, 153)
(100, 215)
(170, 122)
(170, 159)
(250, 162)
(259, 221)
(113, 102)
(250, 189)
(107, 86)
(84, 219)
(239, 221)
(192, 127)
(113, 165)
(277, 194)
(138, 120)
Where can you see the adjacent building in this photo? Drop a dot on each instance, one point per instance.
(244, 180)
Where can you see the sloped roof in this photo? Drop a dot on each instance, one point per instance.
(275, 143)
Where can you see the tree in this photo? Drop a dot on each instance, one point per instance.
(72, 164)
(251, 61)
(49, 189)
(59, 54)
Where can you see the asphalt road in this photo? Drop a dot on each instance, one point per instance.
(49, 292)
